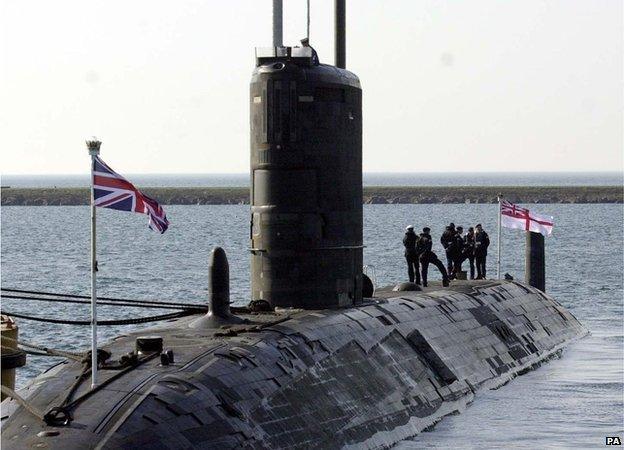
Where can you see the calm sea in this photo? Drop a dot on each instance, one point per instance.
(572, 402)
(370, 179)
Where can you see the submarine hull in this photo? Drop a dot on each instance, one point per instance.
(367, 376)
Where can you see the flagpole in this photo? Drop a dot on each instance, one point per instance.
(498, 259)
(94, 150)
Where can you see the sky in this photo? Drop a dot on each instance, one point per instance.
(480, 85)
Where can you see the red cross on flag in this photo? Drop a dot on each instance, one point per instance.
(513, 216)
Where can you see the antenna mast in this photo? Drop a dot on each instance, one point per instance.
(277, 23)
(340, 32)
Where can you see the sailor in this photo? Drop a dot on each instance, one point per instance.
(305, 42)
(482, 242)
(469, 245)
(457, 252)
(423, 247)
(445, 240)
(411, 255)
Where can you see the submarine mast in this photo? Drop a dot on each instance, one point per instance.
(306, 177)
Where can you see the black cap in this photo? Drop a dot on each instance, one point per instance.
(470, 229)
(452, 225)
(426, 230)
(477, 225)
(459, 227)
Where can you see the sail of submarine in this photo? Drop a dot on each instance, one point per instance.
(311, 362)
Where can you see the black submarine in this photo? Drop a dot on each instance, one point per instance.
(317, 360)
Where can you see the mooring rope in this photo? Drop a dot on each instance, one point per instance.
(109, 299)
(62, 415)
(46, 350)
(134, 321)
(22, 401)
(99, 302)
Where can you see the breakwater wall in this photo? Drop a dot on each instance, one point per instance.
(372, 195)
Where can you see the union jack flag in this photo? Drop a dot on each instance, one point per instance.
(111, 190)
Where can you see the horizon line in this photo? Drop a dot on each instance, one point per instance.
(490, 172)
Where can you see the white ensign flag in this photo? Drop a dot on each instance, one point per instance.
(513, 216)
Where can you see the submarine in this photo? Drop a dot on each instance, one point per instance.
(319, 358)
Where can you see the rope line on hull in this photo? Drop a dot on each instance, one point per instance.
(46, 350)
(22, 401)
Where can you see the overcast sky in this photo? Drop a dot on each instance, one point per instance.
(448, 85)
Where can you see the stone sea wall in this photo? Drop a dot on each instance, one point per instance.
(372, 195)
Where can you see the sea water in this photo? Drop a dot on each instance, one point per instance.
(575, 401)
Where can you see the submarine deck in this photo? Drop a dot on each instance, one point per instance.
(369, 375)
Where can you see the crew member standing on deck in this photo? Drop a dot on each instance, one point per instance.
(457, 245)
(482, 242)
(446, 239)
(411, 255)
(469, 246)
(423, 247)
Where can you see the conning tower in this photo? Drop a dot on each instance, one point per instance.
(306, 178)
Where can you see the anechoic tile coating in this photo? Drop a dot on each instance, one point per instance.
(367, 376)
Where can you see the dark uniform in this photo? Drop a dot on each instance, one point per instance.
(445, 240)
(482, 242)
(428, 257)
(469, 245)
(457, 252)
(411, 255)
(306, 43)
